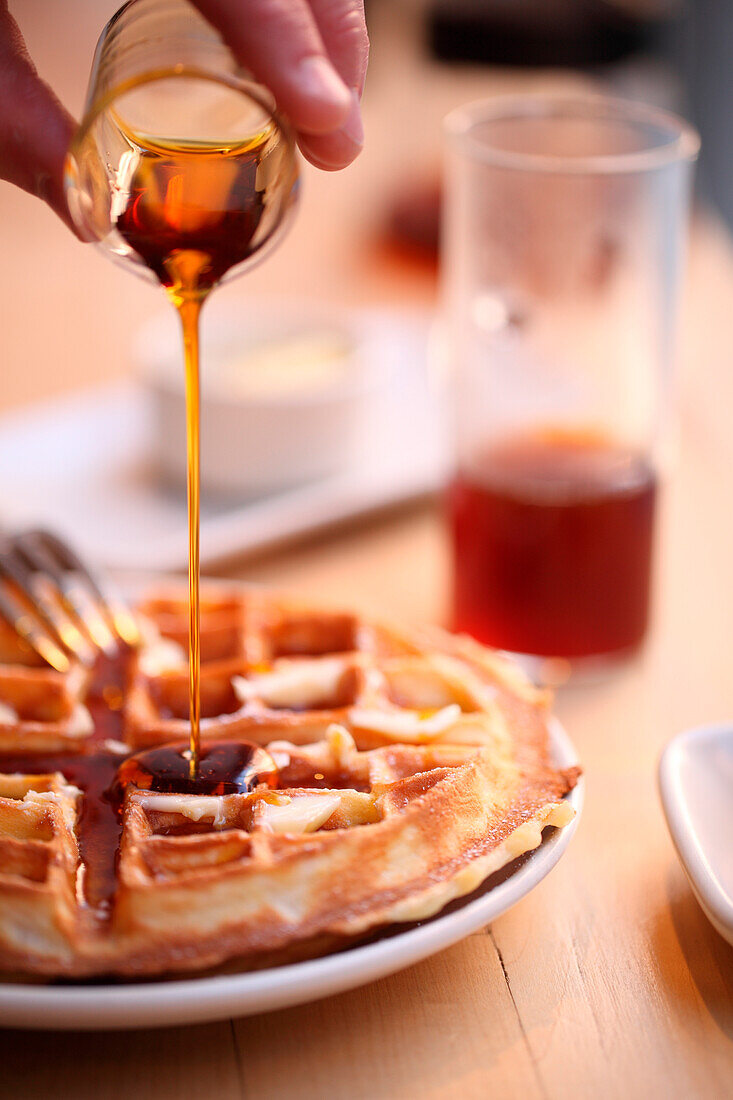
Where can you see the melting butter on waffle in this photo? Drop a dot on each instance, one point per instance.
(412, 765)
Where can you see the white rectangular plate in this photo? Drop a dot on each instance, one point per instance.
(81, 465)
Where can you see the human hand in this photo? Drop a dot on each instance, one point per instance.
(311, 53)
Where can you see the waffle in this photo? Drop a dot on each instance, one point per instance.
(289, 670)
(39, 866)
(41, 710)
(412, 765)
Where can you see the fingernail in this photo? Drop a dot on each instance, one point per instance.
(317, 78)
(354, 126)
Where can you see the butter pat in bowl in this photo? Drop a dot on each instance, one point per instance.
(284, 393)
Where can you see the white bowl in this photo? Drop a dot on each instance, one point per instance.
(696, 786)
(284, 391)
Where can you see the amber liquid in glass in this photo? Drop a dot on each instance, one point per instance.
(193, 213)
(552, 538)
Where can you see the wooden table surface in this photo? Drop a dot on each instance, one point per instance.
(607, 981)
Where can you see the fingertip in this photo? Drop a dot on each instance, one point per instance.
(353, 127)
(329, 152)
(321, 102)
(337, 149)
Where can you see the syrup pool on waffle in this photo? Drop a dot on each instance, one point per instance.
(235, 767)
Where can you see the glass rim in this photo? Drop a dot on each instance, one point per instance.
(102, 91)
(460, 124)
(249, 88)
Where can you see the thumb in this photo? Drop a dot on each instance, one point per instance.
(35, 129)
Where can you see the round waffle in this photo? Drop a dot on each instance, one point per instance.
(412, 765)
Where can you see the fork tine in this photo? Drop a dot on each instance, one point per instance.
(34, 596)
(29, 629)
(104, 612)
(59, 587)
(55, 603)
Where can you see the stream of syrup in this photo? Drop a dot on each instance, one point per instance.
(192, 214)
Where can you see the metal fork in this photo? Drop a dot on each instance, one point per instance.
(56, 604)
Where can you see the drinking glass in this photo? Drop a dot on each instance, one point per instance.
(163, 80)
(562, 248)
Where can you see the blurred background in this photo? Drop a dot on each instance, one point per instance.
(91, 369)
(365, 239)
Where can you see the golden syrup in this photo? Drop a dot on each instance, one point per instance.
(552, 536)
(232, 767)
(192, 213)
(189, 311)
(102, 771)
(93, 771)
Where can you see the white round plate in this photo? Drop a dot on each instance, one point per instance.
(197, 1000)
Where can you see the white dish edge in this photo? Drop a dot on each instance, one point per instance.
(712, 901)
(205, 999)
